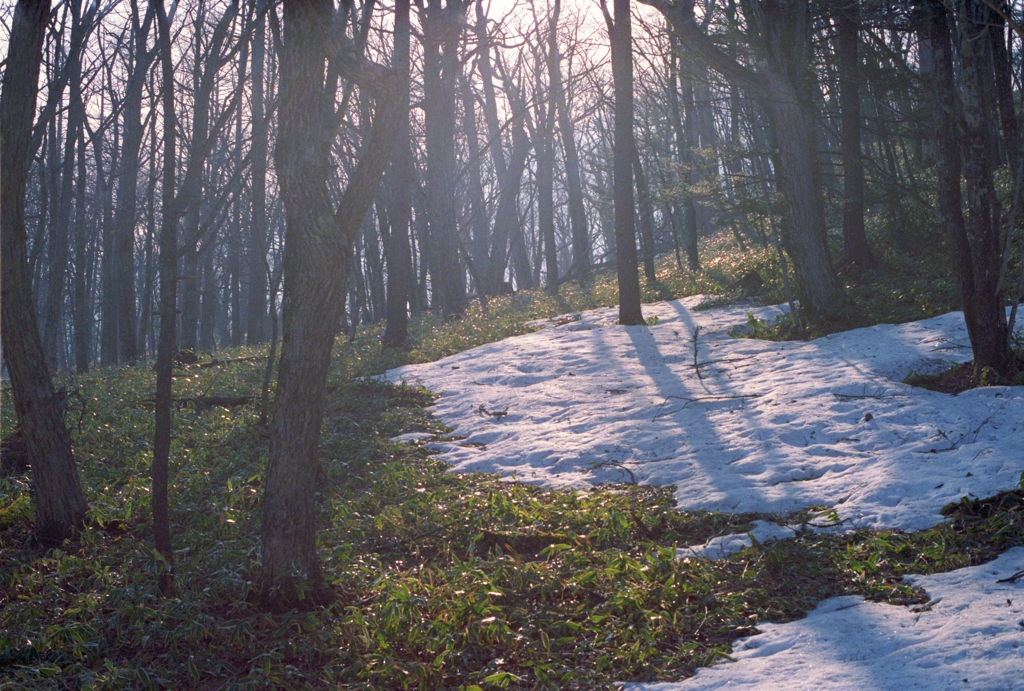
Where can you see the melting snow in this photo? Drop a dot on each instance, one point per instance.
(742, 425)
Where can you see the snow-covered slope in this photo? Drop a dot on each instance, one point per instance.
(755, 426)
(971, 638)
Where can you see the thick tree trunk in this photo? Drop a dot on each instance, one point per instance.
(855, 243)
(441, 30)
(316, 262)
(983, 307)
(621, 35)
(59, 501)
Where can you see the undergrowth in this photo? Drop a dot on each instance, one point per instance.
(443, 580)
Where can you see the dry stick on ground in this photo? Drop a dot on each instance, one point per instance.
(699, 399)
(696, 367)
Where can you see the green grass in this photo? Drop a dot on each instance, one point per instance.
(443, 580)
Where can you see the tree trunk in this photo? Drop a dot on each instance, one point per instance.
(567, 134)
(441, 30)
(256, 305)
(316, 259)
(60, 502)
(168, 315)
(127, 196)
(855, 243)
(646, 217)
(400, 272)
(545, 189)
(621, 37)
(983, 308)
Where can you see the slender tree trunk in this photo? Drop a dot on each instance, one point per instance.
(567, 134)
(620, 33)
(82, 310)
(855, 243)
(168, 314)
(400, 272)
(545, 191)
(127, 197)
(256, 305)
(59, 501)
(646, 217)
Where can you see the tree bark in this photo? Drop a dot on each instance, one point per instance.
(442, 26)
(983, 307)
(168, 314)
(317, 254)
(59, 501)
(621, 38)
(399, 259)
(855, 244)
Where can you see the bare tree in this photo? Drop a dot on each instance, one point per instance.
(60, 502)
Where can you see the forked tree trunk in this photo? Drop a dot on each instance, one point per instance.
(983, 307)
(59, 501)
(317, 255)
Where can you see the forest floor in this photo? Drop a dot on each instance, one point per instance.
(469, 580)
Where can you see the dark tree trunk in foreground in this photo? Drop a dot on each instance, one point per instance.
(317, 257)
(621, 36)
(60, 503)
(168, 314)
(855, 243)
(974, 243)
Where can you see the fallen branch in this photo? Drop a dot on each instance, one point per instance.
(1012, 579)
(699, 399)
(496, 414)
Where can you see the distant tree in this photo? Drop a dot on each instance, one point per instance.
(60, 505)
(782, 88)
(855, 242)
